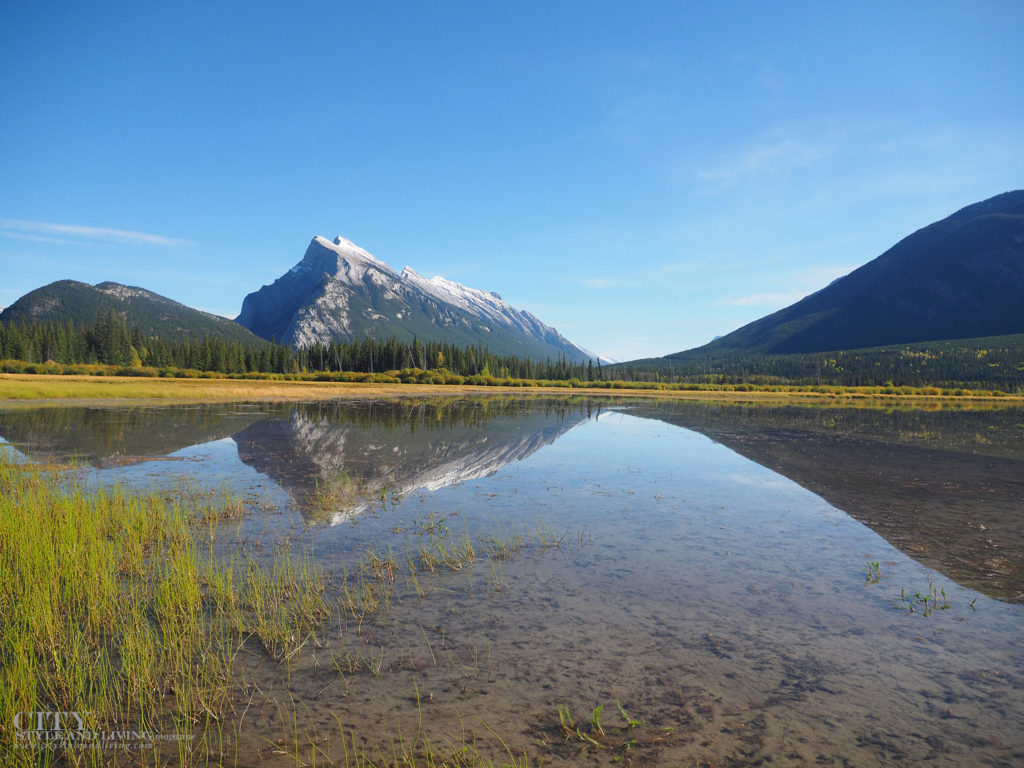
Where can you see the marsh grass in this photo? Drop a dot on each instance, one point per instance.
(307, 386)
(131, 607)
(337, 494)
(446, 552)
(112, 605)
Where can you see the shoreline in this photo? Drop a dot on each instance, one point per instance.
(44, 389)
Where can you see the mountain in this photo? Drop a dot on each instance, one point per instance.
(341, 292)
(155, 315)
(961, 277)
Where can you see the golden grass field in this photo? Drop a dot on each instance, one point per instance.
(60, 389)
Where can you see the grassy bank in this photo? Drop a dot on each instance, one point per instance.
(116, 610)
(36, 387)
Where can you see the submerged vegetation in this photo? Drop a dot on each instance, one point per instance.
(927, 602)
(620, 740)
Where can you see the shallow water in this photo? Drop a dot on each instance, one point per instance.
(706, 592)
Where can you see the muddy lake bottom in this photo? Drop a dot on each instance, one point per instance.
(718, 611)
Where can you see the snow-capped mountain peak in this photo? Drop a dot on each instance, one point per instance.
(339, 249)
(341, 291)
(346, 248)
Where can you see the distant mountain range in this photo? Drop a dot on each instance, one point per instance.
(961, 277)
(341, 292)
(155, 315)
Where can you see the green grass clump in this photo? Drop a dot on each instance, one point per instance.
(631, 736)
(112, 606)
(926, 603)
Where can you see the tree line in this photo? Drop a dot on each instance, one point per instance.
(996, 362)
(980, 363)
(109, 341)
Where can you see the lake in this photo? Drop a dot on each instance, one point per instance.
(735, 584)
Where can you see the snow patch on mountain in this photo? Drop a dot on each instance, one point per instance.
(347, 249)
(481, 303)
(487, 305)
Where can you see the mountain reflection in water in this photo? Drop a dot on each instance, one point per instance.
(945, 487)
(353, 454)
(333, 458)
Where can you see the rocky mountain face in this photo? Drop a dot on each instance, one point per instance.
(961, 277)
(341, 292)
(153, 314)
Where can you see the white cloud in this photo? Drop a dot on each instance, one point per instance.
(41, 230)
(599, 282)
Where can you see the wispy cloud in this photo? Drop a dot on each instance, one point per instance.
(764, 159)
(44, 231)
(805, 283)
(822, 276)
(765, 299)
(38, 238)
(220, 312)
(653, 275)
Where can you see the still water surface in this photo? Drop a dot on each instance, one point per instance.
(711, 577)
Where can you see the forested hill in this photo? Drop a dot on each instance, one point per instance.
(995, 362)
(152, 314)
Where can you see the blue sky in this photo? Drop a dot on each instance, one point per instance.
(642, 176)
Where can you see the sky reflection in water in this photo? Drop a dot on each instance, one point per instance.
(718, 595)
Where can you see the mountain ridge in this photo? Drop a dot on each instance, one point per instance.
(959, 277)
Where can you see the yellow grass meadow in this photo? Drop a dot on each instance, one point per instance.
(61, 389)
